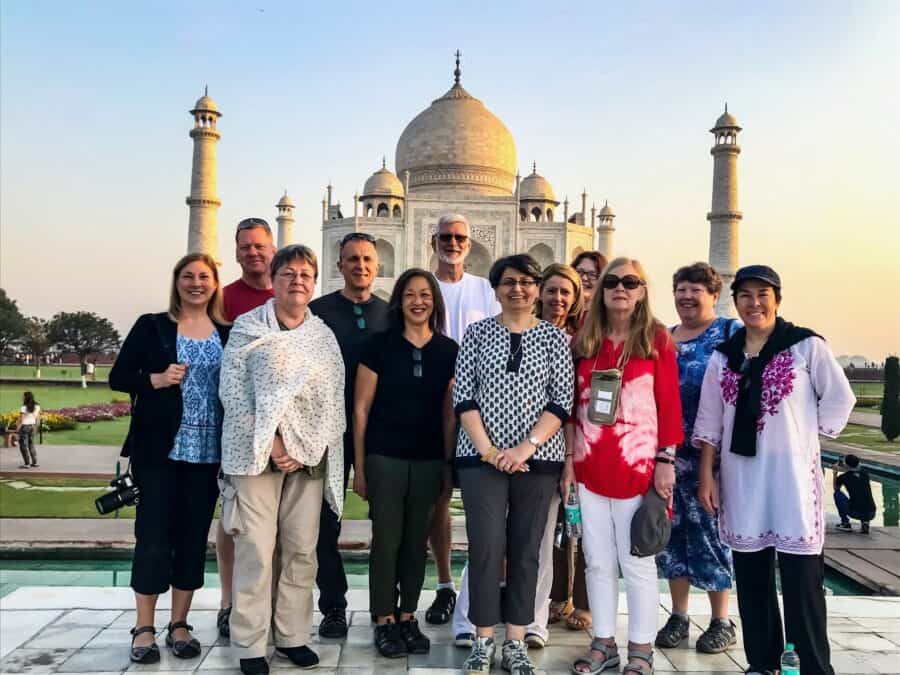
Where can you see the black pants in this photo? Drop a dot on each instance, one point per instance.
(803, 592)
(402, 494)
(175, 510)
(331, 579)
(505, 516)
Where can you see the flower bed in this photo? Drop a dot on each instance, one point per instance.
(68, 418)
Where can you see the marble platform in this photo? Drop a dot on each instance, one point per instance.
(85, 630)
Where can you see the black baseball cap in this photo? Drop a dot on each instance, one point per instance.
(762, 273)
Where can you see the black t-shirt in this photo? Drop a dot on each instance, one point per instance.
(862, 504)
(353, 328)
(406, 418)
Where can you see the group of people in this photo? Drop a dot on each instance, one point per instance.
(520, 389)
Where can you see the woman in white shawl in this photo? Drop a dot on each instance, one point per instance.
(282, 388)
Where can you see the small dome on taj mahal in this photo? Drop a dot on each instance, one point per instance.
(383, 182)
(535, 186)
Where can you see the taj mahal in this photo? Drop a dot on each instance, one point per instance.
(456, 156)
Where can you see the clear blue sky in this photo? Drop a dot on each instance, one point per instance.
(95, 156)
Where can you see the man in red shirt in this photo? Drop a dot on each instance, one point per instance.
(253, 241)
(254, 252)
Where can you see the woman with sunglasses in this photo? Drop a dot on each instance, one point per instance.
(589, 265)
(627, 424)
(513, 393)
(403, 427)
(768, 392)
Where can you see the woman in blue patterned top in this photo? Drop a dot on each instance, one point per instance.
(695, 556)
(169, 364)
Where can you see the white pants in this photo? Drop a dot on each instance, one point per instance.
(461, 623)
(606, 525)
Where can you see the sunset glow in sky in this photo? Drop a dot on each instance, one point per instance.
(95, 157)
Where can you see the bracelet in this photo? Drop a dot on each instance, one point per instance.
(665, 460)
(489, 454)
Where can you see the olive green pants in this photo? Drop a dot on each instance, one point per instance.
(402, 494)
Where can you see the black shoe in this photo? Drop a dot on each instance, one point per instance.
(302, 657)
(148, 654)
(864, 529)
(416, 642)
(442, 608)
(718, 637)
(334, 624)
(223, 619)
(256, 666)
(844, 527)
(674, 632)
(389, 641)
(183, 649)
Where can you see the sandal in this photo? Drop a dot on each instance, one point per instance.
(223, 622)
(183, 649)
(579, 619)
(633, 667)
(148, 654)
(718, 637)
(559, 610)
(610, 659)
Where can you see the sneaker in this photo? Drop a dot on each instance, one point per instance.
(864, 529)
(442, 608)
(674, 632)
(389, 641)
(334, 624)
(515, 658)
(464, 640)
(302, 657)
(844, 527)
(257, 666)
(718, 637)
(481, 657)
(535, 640)
(416, 642)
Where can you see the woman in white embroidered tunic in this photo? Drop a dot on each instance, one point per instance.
(768, 392)
(282, 390)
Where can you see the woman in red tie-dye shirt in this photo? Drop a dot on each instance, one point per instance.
(615, 461)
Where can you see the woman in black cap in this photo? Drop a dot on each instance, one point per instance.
(768, 392)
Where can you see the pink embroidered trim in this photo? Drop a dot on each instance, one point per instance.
(777, 383)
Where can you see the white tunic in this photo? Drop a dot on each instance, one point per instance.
(776, 498)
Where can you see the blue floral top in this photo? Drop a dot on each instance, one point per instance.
(198, 438)
(693, 356)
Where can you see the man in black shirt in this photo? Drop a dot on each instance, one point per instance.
(353, 314)
(859, 504)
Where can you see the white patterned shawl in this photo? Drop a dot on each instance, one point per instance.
(292, 380)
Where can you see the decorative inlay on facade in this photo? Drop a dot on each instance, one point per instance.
(725, 215)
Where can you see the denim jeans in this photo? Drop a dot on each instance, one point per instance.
(26, 445)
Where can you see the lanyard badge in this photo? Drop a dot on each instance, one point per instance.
(606, 385)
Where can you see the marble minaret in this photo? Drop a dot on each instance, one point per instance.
(724, 215)
(203, 225)
(606, 231)
(285, 220)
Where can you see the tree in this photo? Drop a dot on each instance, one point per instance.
(12, 323)
(890, 403)
(83, 333)
(35, 341)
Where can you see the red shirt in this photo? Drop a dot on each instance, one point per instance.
(240, 297)
(618, 460)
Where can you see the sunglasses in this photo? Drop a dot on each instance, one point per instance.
(629, 282)
(360, 319)
(364, 236)
(447, 238)
(417, 362)
(252, 224)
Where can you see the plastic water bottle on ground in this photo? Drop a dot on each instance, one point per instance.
(790, 662)
(573, 514)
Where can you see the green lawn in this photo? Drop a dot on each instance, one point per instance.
(868, 388)
(52, 397)
(868, 438)
(52, 372)
(24, 503)
(91, 433)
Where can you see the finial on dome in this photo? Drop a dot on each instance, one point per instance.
(383, 162)
(206, 90)
(726, 106)
(457, 72)
(533, 166)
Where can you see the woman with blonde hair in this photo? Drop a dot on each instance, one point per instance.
(625, 428)
(167, 360)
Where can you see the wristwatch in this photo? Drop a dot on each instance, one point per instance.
(669, 451)
(534, 441)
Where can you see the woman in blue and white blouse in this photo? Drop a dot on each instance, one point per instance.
(513, 392)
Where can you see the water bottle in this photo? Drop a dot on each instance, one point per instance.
(573, 514)
(790, 662)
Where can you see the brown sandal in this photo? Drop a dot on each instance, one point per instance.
(579, 619)
(559, 610)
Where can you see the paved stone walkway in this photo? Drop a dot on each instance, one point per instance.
(85, 630)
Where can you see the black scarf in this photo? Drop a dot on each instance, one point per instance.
(749, 372)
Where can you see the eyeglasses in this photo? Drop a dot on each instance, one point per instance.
(291, 276)
(587, 274)
(524, 283)
(629, 282)
(360, 319)
(446, 238)
(352, 236)
(417, 362)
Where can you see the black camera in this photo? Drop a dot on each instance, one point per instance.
(124, 493)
